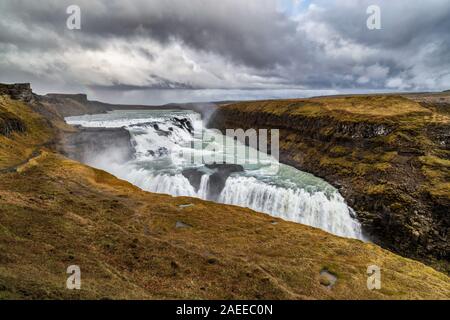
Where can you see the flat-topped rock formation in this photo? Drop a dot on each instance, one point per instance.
(17, 91)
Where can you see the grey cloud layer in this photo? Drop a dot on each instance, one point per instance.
(230, 44)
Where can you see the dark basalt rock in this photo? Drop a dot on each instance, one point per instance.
(217, 179)
(10, 124)
(17, 91)
(194, 176)
(160, 152)
(183, 124)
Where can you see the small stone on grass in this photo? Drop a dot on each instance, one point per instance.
(181, 224)
(182, 206)
(327, 279)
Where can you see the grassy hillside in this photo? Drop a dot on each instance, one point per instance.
(390, 157)
(31, 132)
(130, 244)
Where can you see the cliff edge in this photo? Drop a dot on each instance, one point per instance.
(388, 155)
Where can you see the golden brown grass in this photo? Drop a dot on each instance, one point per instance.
(352, 108)
(55, 213)
(19, 146)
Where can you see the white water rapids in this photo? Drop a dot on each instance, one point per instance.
(159, 137)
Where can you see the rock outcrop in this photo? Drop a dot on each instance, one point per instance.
(17, 91)
(10, 123)
(219, 174)
(67, 105)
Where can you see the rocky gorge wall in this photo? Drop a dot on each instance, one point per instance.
(388, 156)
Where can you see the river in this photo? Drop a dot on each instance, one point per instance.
(166, 160)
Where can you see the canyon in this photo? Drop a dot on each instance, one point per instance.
(132, 244)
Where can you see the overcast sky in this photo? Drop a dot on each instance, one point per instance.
(158, 51)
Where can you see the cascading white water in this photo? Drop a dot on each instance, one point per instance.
(176, 185)
(158, 137)
(314, 209)
(202, 192)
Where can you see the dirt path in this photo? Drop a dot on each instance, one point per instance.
(36, 153)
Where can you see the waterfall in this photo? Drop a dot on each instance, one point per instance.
(159, 136)
(315, 209)
(202, 192)
(175, 185)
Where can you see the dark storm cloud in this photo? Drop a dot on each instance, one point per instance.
(230, 44)
(413, 42)
(403, 22)
(256, 34)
